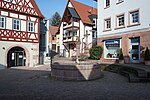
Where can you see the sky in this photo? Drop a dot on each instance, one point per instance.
(49, 7)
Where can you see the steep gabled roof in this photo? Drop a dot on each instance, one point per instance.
(37, 9)
(53, 30)
(84, 11)
(22, 6)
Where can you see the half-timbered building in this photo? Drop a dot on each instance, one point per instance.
(19, 33)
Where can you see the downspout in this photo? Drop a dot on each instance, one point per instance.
(82, 39)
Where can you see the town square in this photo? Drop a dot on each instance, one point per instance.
(74, 50)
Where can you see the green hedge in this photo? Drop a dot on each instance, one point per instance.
(96, 52)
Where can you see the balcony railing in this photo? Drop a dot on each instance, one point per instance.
(70, 39)
(72, 25)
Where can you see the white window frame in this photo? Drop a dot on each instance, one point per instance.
(3, 22)
(30, 26)
(118, 20)
(17, 20)
(105, 4)
(131, 17)
(106, 28)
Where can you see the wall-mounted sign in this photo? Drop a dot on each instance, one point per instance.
(111, 42)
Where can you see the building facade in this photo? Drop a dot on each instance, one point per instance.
(123, 24)
(78, 25)
(19, 33)
(54, 38)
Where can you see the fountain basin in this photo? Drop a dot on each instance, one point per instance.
(80, 72)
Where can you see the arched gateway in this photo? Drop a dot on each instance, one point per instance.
(16, 56)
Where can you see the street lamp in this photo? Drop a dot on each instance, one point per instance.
(50, 55)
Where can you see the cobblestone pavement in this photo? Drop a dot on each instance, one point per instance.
(36, 84)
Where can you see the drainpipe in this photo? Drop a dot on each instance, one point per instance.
(82, 40)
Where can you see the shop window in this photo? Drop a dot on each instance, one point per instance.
(112, 48)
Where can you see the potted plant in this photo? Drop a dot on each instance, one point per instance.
(147, 56)
(121, 58)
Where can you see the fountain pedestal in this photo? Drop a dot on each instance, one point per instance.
(80, 72)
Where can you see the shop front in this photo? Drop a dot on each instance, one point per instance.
(111, 49)
(135, 50)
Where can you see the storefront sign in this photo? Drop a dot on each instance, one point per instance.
(110, 42)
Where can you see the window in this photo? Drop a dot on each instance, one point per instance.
(30, 26)
(94, 35)
(16, 24)
(53, 37)
(94, 23)
(107, 3)
(120, 21)
(74, 33)
(2, 22)
(8, 0)
(134, 17)
(120, 1)
(111, 49)
(107, 24)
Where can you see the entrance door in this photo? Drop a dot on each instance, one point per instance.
(16, 57)
(135, 50)
(19, 60)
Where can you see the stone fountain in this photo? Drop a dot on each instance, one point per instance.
(78, 70)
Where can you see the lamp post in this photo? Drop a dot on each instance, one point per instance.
(51, 58)
(50, 55)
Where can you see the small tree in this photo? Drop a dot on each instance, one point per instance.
(55, 19)
(96, 52)
(121, 55)
(147, 54)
